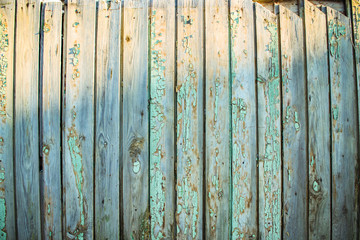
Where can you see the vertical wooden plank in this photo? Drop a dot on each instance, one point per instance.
(107, 140)
(79, 120)
(268, 90)
(27, 120)
(343, 126)
(189, 209)
(243, 121)
(51, 47)
(7, 201)
(217, 118)
(294, 125)
(162, 83)
(319, 122)
(136, 135)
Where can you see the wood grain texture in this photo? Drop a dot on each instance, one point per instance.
(107, 142)
(7, 200)
(135, 123)
(78, 142)
(243, 121)
(189, 209)
(319, 123)
(51, 47)
(217, 116)
(27, 119)
(294, 125)
(162, 113)
(269, 129)
(343, 126)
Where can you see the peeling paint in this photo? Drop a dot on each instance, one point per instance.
(46, 28)
(336, 31)
(292, 116)
(75, 51)
(157, 123)
(4, 47)
(136, 146)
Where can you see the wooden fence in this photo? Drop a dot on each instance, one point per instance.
(192, 119)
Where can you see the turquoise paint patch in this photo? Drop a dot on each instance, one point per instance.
(336, 31)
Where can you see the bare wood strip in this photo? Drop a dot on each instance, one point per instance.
(107, 154)
(189, 209)
(294, 125)
(79, 120)
(27, 120)
(269, 130)
(7, 201)
(50, 122)
(162, 151)
(343, 121)
(243, 121)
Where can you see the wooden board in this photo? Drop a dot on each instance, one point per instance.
(107, 138)
(243, 121)
(27, 119)
(294, 125)
(269, 129)
(189, 130)
(319, 123)
(217, 130)
(50, 60)
(135, 121)
(78, 142)
(162, 119)
(7, 200)
(344, 151)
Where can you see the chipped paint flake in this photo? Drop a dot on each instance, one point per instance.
(4, 47)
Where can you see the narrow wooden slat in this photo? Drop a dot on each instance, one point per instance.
(162, 83)
(243, 121)
(27, 120)
(7, 201)
(189, 209)
(269, 132)
(50, 122)
(217, 116)
(79, 126)
(107, 154)
(343, 125)
(294, 125)
(135, 123)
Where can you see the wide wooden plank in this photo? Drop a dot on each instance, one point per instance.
(51, 46)
(135, 121)
(27, 119)
(269, 132)
(189, 209)
(78, 131)
(217, 118)
(243, 121)
(294, 125)
(107, 136)
(319, 123)
(162, 113)
(7, 201)
(344, 150)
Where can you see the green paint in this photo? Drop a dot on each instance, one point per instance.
(75, 51)
(335, 112)
(74, 145)
(75, 24)
(157, 138)
(336, 31)
(292, 115)
(4, 47)
(2, 218)
(46, 28)
(217, 86)
(316, 186)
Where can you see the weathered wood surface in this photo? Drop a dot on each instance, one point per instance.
(107, 136)
(7, 200)
(217, 95)
(189, 130)
(78, 110)
(243, 121)
(269, 129)
(344, 147)
(51, 47)
(135, 121)
(162, 119)
(319, 123)
(27, 120)
(294, 125)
